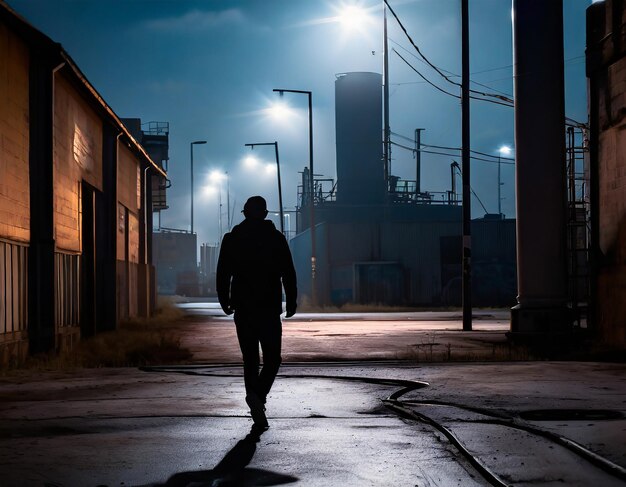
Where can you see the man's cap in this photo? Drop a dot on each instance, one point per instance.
(255, 204)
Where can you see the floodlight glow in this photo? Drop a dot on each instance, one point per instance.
(250, 162)
(216, 176)
(505, 150)
(270, 168)
(279, 110)
(209, 190)
(353, 17)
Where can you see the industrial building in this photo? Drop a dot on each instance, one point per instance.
(75, 201)
(382, 240)
(172, 251)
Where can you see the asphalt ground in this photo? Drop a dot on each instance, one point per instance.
(418, 337)
(362, 422)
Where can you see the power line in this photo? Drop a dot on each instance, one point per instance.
(424, 77)
(472, 190)
(452, 148)
(450, 72)
(501, 158)
(417, 48)
(504, 100)
(506, 103)
(447, 78)
(412, 149)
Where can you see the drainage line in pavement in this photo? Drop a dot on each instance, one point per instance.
(409, 385)
(487, 474)
(602, 463)
(473, 409)
(599, 461)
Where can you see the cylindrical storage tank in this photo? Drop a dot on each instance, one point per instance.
(540, 167)
(358, 117)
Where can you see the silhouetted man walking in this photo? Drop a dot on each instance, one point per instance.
(254, 265)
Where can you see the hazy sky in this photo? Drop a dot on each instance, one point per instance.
(208, 68)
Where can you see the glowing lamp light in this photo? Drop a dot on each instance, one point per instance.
(270, 168)
(353, 17)
(250, 162)
(216, 176)
(505, 150)
(209, 190)
(279, 111)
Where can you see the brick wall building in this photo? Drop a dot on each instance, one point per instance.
(606, 70)
(75, 201)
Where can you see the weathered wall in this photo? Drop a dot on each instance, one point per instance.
(129, 202)
(606, 69)
(77, 156)
(128, 179)
(14, 138)
(14, 197)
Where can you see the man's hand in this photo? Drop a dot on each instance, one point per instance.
(291, 310)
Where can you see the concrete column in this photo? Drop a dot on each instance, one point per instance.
(540, 167)
(41, 309)
(106, 234)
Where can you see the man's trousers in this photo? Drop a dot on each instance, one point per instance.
(264, 329)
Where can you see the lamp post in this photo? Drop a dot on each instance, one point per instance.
(197, 142)
(504, 150)
(280, 190)
(217, 177)
(311, 189)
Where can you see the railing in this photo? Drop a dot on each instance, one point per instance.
(156, 128)
(578, 228)
(324, 191)
(13, 287)
(66, 289)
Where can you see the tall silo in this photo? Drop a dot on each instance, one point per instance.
(358, 122)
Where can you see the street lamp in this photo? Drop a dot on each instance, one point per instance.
(311, 188)
(197, 142)
(216, 177)
(280, 190)
(504, 150)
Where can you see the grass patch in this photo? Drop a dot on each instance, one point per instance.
(137, 342)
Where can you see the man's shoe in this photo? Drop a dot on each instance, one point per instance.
(257, 411)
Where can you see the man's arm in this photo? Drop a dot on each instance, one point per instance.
(288, 275)
(224, 274)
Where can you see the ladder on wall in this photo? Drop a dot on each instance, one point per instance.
(578, 227)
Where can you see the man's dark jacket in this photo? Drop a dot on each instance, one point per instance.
(253, 266)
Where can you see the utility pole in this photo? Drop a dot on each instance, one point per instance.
(197, 142)
(418, 161)
(280, 187)
(387, 135)
(499, 186)
(312, 192)
(227, 202)
(465, 162)
(280, 191)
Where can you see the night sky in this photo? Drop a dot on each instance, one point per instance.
(209, 67)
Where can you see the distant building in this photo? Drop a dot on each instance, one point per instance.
(75, 201)
(388, 242)
(175, 260)
(208, 268)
